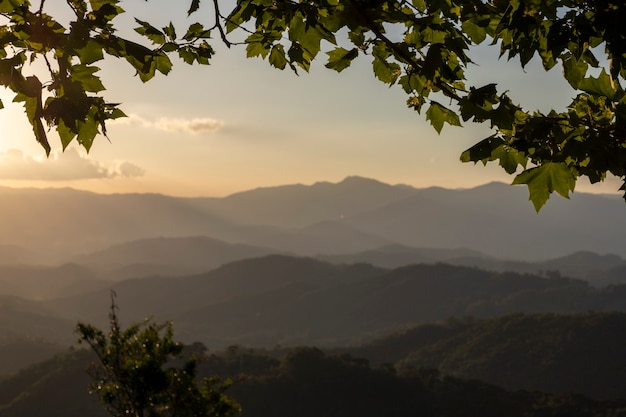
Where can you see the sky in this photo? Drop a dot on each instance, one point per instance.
(239, 124)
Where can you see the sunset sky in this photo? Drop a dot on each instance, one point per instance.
(239, 124)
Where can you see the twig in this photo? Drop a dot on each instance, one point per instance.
(217, 24)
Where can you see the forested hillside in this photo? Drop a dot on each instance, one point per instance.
(560, 353)
(294, 301)
(305, 382)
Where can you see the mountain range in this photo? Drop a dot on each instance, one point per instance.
(54, 226)
(324, 264)
(289, 300)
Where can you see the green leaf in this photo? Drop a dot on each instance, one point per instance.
(603, 85)
(308, 35)
(116, 113)
(105, 10)
(30, 93)
(510, 158)
(257, 45)
(187, 55)
(150, 32)
(203, 53)
(296, 54)
(383, 70)
(311, 40)
(98, 4)
(574, 70)
(438, 115)
(255, 49)
(340, 58)
(479, 103)
(545, 179)
(297, 28)
(357, 37)
(483, 150)
(504, 116)
(90, 53)
(277, 57)
(196, 30)
(420, 5)
(416, 102)
(84, 75)
(65, 134)
(9, 6)
(87, 131)
(387, 72)
(169, 47)
(170, 31)
(433, 36)
(163, 64)
(475, 32)
(240, 14)
(195, 4)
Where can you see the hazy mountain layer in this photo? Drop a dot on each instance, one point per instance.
(167, 256)
(30, 320)
(599, 270)
(292, 301)
(354, 215)
(20, 352)
(39, 282)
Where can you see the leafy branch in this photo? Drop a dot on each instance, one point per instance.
(547, 152)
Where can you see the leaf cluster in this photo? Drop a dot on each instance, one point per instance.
(67, 97)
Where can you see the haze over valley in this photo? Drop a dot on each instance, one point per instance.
(406, 278)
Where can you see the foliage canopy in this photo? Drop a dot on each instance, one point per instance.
(142, 373)
(422, 46)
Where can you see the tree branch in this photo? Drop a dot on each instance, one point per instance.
(217, 24)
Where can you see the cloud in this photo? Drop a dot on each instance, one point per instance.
(128, 170)
(61, 166)
(193, 126)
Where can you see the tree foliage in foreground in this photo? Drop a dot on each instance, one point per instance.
(422, 46)
(141, 373)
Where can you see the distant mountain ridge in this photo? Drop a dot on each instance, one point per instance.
(356, 214)
(598, 270)
(301, 205)
(168, 256)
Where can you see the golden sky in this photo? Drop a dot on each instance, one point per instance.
(239, 124)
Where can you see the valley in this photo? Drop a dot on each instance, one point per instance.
(422, 284)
